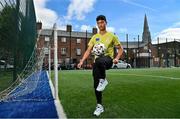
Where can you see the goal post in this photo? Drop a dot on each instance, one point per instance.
(55, 37)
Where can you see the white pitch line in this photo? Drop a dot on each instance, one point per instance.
(59, 108)
(166, 77)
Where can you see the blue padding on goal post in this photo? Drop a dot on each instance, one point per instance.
(40, 107)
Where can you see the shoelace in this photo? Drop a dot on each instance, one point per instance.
(98, 109)
(101, 82)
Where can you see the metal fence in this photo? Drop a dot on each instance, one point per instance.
(17, 34)
(160, 52)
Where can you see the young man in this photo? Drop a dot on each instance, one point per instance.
(102, 63)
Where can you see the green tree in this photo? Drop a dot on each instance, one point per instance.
(7, 33)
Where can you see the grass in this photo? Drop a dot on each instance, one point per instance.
(5, 79)
(137, 93)
(148, 93)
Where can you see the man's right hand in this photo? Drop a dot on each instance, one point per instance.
(80, 64)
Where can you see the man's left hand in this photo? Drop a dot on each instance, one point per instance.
(115, 61)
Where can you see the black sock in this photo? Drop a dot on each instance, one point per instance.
(98, 96)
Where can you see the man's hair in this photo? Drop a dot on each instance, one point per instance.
(101, 17)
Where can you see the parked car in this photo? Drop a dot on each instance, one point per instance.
(121, 65)
(3, 65)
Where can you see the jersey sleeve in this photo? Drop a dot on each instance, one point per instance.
(91, 42)
(116, 41)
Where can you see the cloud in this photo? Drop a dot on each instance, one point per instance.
(111, 29)
(123, 30)
(177, 24)
(86, 27)
(3, 4)
(169, 33)
(47, 16)
(138, 5)
(78, 9)
(1, 7)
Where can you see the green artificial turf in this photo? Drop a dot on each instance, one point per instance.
(134, 93)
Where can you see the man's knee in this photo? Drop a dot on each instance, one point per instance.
(99, 62)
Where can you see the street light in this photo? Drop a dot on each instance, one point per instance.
(149, 57)
(134, 63)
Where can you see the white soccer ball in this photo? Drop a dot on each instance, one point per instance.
(99, 49)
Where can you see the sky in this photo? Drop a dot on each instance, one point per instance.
(123, 16)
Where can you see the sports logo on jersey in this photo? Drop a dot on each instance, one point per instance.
(97, 39)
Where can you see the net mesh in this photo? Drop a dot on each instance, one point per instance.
(28, 80)
(21, 58)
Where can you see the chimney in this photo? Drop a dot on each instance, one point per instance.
(39, 25)
(68, 28)
(94, 30)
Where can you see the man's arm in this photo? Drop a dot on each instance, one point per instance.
(85, 56)
(120, 51)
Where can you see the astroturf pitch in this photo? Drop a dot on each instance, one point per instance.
(130, 93)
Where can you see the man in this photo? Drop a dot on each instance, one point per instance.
(102, 63)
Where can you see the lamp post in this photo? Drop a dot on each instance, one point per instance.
(168, 54)
(137, 58)
(149, 58)
(134, 52)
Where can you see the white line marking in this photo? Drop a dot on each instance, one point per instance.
(166, 77)
(59, 108)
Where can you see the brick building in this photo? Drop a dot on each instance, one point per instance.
(72, 45)
(168, 54)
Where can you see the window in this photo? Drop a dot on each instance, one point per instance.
(78, 51)
(145, 47)
(63, 39)
(156, 59)
(78, 40)
(60, 61)
(67, 60)
(63, 51)
(46, 50)
(46, 38)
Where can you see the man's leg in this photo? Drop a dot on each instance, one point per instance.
(96, 72)
(99, 108)
(99, 74)
(103, 63)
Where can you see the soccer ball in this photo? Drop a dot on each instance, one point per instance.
(99, 49)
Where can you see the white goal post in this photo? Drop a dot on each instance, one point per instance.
(55, 37)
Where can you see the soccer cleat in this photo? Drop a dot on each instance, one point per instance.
(99, 110)
(102, 84)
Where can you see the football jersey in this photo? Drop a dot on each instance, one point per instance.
(108, 39)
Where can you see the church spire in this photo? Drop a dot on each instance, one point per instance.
(146, 27)
(146, 38)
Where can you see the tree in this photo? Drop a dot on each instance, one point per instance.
(7, 33)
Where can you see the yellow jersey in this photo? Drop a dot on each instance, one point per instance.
(108, 39)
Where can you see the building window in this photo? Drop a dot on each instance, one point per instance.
(46, 38)
(63, 39)
(60, 61)
(78, 40)
(145, 47)
(63, 51)
(67, 60)
(78, 51)
(46, 50)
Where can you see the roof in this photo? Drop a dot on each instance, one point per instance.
(48, 32)
(133, 44)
